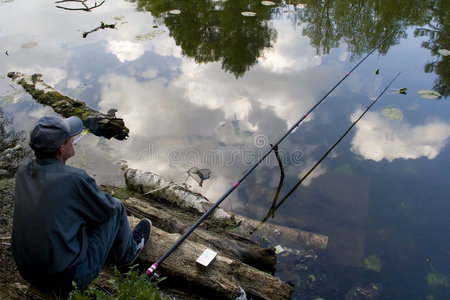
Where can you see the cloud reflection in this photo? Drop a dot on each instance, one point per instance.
(378, 138)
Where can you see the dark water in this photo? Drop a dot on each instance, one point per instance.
(211, 88)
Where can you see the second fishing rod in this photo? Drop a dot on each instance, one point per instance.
(151, 271)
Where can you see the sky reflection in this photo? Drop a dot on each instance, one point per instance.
(182, 114)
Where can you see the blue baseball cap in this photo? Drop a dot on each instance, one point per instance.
(50, 132)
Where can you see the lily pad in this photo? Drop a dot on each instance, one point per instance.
(392, 113)
(444, 52)
(372, 262)
(29, 45)
(267, 3)
(428, 94)
(248, 13)
(175, 11)
(150, 35)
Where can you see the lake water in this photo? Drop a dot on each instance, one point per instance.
(201, 85)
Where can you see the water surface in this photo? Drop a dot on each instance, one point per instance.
(211, 88)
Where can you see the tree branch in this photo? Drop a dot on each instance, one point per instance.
(83, 2)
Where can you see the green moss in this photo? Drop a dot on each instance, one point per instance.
(6, 184)
(61, 104)
(122, 192)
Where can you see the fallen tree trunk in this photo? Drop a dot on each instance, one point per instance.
(105, 125)
(222, 279)
(235, 246)
(143, 182)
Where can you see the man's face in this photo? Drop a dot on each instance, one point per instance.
(66, 150)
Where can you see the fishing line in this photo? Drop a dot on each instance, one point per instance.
(150, 271)
(275, 207)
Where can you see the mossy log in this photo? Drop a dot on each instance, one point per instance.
(100, 124)
(222, 279)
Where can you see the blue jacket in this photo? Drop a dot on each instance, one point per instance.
(55, 205)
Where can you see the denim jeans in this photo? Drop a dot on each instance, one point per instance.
(112, 240)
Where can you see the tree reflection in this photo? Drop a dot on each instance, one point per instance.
(361, 24)
(438, 33)
(212, 31)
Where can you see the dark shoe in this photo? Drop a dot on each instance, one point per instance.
(141, 235)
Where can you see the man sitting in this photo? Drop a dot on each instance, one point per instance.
(64, 226)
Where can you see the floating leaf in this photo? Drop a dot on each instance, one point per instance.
(428, 94)
(248, 13)
(150, 35)
(372, 262)
(437, 279)
(175, 11)
(402, 91)
(392, 113)
(344, 169)
(118, 18)
(377, 72)
(266, 240)
(267, 3)
(279, 249)
(29, 45)
(444, 52)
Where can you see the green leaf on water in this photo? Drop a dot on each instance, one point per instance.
(437, 279)
(373, 262)
(150, 35)
(248, 14)
(444, 52)
(118, 18)
(428, 94)
(29, 45)
(377, 72)
(392, 113)
(402, 91)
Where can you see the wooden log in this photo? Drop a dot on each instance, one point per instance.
(235, 246)
(278, 233)
(144, 181)
(105, 125)
(220, 280)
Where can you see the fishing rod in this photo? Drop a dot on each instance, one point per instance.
(150, 271)
(274, 207)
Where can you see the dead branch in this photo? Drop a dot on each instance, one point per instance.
(102, 26)
(83, 2)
